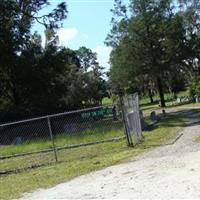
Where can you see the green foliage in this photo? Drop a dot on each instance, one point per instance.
(155, 45)
(22, 58)
(82, 160)
(38, 80)
(194, 89)
(94, 87)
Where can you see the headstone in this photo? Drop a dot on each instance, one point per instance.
(18, 140)
(197, 99)
(143, 123)
(70, 128)
(178, 100)
(187, 99)
(153, 117)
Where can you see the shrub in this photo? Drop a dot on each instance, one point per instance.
(194, 89)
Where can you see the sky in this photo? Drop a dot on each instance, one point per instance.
(88, 24)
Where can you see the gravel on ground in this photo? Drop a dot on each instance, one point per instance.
(165, 172)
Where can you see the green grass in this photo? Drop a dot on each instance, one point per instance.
(75, 162)
(197, 111)
(183, 93)
(144, 100)
(107, 101)
(197, 108)
(99, 132)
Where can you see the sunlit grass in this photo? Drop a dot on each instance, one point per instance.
(107, 101)
(103, 132)
(144, 100)
(75, 162)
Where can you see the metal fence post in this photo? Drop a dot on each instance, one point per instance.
(52, 139)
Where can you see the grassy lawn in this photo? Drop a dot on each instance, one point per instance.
(168, 97)
(145, 101)
(75, 162)
(197, 111)
(97, 133)
(107, 101)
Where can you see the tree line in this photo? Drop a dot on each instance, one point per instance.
(156, 46)
(36, 79)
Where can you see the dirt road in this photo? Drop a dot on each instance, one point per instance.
(168, 171)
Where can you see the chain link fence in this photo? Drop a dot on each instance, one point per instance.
(45, 140)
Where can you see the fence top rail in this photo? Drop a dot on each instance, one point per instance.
(53, 115)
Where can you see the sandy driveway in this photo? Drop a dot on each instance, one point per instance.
(170, 171)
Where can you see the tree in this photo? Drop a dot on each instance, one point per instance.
(151, 44)
(44, 84)
(16, 20)
(93, 84)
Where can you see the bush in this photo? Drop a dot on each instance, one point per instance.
(194, 89)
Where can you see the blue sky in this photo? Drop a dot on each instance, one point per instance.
(87, 24)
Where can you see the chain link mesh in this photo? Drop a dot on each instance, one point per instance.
(45, 140)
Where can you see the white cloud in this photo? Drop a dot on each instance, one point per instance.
(66, 35)
(103, 55)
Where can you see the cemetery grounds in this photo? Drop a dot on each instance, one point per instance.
(77, 161)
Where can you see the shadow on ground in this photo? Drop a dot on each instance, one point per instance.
(183, 118)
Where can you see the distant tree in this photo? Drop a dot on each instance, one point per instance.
(16, 20)
(150, 42)
(93, 84)
(194, 88)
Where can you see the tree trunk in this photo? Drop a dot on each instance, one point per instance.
(160, 90)
(150, 96)
(15, 97)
